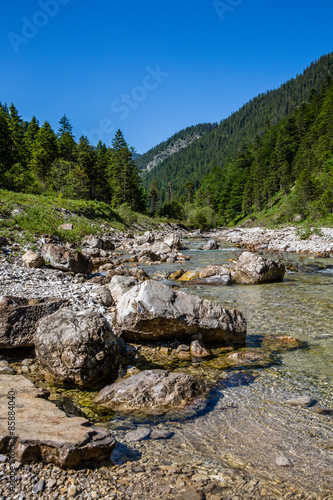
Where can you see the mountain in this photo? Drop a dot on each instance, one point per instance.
(178, 141)
(220, 143)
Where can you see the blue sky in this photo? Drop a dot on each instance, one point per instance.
(152, 68)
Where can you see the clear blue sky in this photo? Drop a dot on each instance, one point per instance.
(152, 68)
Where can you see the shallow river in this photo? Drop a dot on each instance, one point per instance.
(246, 423)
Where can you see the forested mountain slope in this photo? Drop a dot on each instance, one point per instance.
(292, 163)
(221, 144)
(167, 148)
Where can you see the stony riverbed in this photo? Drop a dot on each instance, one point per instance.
(245, 440)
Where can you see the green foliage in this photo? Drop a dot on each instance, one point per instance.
(306, 231)
(172, 210)
(34, 159)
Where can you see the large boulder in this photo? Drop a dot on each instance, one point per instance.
(119, 285)
(160, 247)
(150, 391)
(66, 259)
(76, 348)
(32, 259)
(45, 433)
(19, 316)
(173, 241)
(254, 269)
(153, 311)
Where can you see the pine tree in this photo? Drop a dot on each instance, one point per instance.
(43, 152)
(123, 178)
(66, 141)
(154, 195)
(6, 147)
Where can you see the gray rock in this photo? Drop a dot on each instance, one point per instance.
(19, 316)
(150, 391)
(101, 295)
(32, 259)
(214, 271)
(152, 311)
(66, 259)
(39, 487)
(211, 245)
(76, 348)
(173, 241)
(119, 285)
(254, 269)
(160, 247)
(66, 227)
(92, 241)
(45, 433)
(198, 349)
(283, 462)
(160, 434)
(301, 401)
(139, 434)
(7, 370)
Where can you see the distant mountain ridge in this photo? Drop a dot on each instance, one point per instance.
(175, 143)
(220, 143)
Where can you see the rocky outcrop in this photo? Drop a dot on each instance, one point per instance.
(150, 391)
(152, 311)
(66, 259)
(76, 348)
(19, 316)
(254, 269)
(44, 433)
(33, 259)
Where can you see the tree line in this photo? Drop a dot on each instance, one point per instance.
(35, 159)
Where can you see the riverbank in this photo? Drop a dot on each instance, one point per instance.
(288, 239)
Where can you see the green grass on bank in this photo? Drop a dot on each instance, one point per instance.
(23, 217)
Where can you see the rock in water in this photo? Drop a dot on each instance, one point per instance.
(76, 348)
(153, 311)
(66, 259)
(45, 433)
(19, 316)
(211, 245)
(254, 269)
(150, 390)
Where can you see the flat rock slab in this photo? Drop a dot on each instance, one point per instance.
(44, 433)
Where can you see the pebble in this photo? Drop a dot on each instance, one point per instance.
(39, 487)
(72, 491)
(283, 462)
